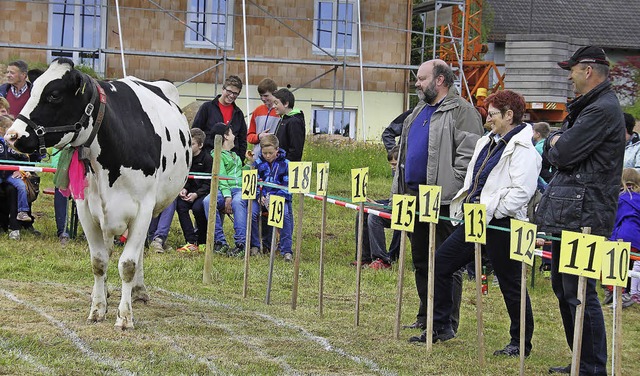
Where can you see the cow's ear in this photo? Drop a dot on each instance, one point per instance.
(77, 81)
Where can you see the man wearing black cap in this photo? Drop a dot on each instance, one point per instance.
(587, 152)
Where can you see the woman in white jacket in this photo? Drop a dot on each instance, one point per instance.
(503, 175)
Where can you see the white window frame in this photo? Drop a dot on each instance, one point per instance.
(353, 114)
(209, 16)
(352, 24)
(76, 56)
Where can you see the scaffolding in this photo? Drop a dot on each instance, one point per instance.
(442, 36)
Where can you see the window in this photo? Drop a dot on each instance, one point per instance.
(77, 24)
(334, 121)
(334, 27)
(209, 21)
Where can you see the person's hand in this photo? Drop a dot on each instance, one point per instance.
(191, 197)
(227, 205)
(183, 194)
(539, 242)
(553, 140)
(18, 175)
(262, 134)
(263, 201)
(249, 156)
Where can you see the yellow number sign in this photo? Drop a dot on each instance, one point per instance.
(429, 203)
(403, 212)
(580, 254)
(615, 262)
(523, 241)
(276, 211)
(322, 178)
(359, 179)
(475, 223)
(249, 184)
(299, 177)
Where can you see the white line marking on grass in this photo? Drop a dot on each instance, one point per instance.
(71, 335)
(18, 353)
(191, 356)
(311, 337)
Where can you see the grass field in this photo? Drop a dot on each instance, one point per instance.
(188, 328)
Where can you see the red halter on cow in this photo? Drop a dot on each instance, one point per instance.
(132, 151)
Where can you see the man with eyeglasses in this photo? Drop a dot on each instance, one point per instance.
(223, 109)
(587, 153)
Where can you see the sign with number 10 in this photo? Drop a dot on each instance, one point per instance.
(615, 263)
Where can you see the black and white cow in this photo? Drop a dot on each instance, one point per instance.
(137, 143)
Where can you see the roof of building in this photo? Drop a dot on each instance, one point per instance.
(611, 23)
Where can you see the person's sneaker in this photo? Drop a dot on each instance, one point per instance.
(416, 325)
(288, 257)
(380, 264)
(608, 296)
(237, 251)
(254, 251)
(363, 264)
(156, 246)
(188, 248)
(64, 239)
(442, 335)
(23, 217)
(546, 270)
(626, 300)
(510, 350)
(14, 235)
(560, 369)
(167, 248)
(220, 248)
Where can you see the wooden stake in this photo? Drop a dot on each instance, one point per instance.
(272, 258)
(396, 331)
(579, 320)
(430, 285)
(523, 311)
(247, 248)
(323, 228)
(296, 262)
(213, 204)
(359, 261)
(478, 261)
(616, 357)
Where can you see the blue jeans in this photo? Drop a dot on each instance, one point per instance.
(239, 208)
(593, 358)
(285, 233)
(23, 201)
(455, 253)
(374, 244)
(60, 205)
(160, 225)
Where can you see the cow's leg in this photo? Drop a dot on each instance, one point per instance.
(130, 266)
(99, 262)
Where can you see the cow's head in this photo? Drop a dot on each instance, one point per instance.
(56, 111)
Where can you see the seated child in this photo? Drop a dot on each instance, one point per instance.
(14, 177)
(229, 200)
(273, 167)
(192, 194)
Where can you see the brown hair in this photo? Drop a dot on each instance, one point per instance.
(233, 80)
(269, 140)
(630, 180)
(198, 135)
(267, 85)
(4, 103)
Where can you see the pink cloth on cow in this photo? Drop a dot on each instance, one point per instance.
(77, 178)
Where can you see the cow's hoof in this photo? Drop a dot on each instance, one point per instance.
(96, 315)
(123, 323)
(139, 294)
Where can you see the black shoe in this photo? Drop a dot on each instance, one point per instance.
(565, 369)
(416, 325)
(443, 335)
(421, 338)
(238, 251)
(510, 350)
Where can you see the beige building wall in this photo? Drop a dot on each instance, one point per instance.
(148, 30)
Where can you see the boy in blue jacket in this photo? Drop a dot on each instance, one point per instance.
(273, 167)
